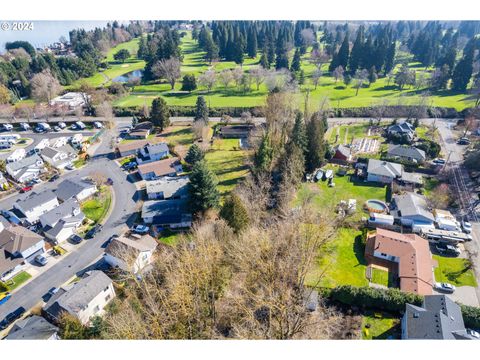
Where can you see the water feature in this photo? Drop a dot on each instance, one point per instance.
(128, 76)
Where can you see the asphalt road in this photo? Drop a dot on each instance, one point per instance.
(125, 196)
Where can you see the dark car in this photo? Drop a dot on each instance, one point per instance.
(75, 239)
(446, 249)
(10, 318)
(93, 231)
(109, 181)
(54, 177)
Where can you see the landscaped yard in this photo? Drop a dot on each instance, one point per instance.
(381, 277)
(79, 162)
(97, 207)
(17, 280)
(380, 326)
(228, 162)
(454, 271)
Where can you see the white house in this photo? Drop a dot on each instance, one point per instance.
(75, 188)
(63, 221)
(42, 144)
(19, 242)
(150, 153)
(72, 100)
(383, 171)
(58, 142)
(167, 188)
(37, 204)
(84, 299)
(412, 210)
(59, 157)
(132, 253)
(26, 169)
(17, 155)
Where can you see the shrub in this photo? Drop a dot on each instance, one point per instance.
(3, 287)
(471, 316)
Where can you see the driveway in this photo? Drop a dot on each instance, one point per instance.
(466, 295)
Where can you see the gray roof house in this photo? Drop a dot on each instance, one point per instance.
(404, 128)
(62, 222)
(67, 209)
(20, 242)
(33, 328)
(152, 152)
(84, 299)
(171, 213)
(409, 153)
(383, 171)
(168, 188)
(36, 204)
(412, 210)
(75, 188)
(59, 157)
(439, 318)
(26, 169)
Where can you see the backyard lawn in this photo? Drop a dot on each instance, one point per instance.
(380, 326)
(454, 271)
(17, 280)
(381, 277)
(97, 207)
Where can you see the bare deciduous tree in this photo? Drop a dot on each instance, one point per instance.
(45, 86)
(225, 77)
(361, 77)
(168, 69)
(208, 79)
(105, 110)
(319, 57)
(237, 75)
(258, 75)
(338, 73)
(317, 74)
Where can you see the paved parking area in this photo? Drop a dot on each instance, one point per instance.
(466, 295)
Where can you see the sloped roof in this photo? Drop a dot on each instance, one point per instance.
(406, 152)
(170, 186)
(7, 262)
(166, 211)
(36, 199)
(65, 209)
(412, 204)
(32, 328)
(415, 260)
(132, 145)
(124, 244)
(25, 162)
(17, 239)
(384, 168)
(72, 187)
(344, 150)
(160, 167)
(156, 148)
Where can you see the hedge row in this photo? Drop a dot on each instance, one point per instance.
(190, 111)
(392, 300)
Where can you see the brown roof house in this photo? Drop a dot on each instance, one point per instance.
(141, 131)
(132, 253)
(407, 255)
(132, 147)
(342, 154)
(157, 169)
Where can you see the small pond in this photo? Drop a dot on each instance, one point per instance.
(128, 76)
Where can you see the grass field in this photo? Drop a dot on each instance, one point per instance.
(380, 326)
(454, 271)
(96, 208)
(18, 280)
(381, 277)
(228, 162)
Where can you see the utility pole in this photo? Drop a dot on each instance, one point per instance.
(448, 160)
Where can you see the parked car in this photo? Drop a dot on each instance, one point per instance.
(93, 231)
(26, 189)
(25, 126)
(110, 181)
(62, 125)
(41, 260)
(49, 294)
(10, 216)
(75, 239)
(98, 124)
(445, 287)
(73, 127)
(463, 141)
(439, 161)
(473, 333)
(10, 318)
(466, 226)
(130, 165)
(140, 229)
(69, 167)
(56, 128)
(7, 127)
(54, 177)
(447, 249)
(4, 297)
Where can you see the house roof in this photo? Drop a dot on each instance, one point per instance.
(141, 129)
(160, 147)
(63, 224)
(170, 186)
(160, 167)
(32, 328)
(36, 199)
(438, 318)
(65, 209)
(25, 162)
(415, 260)
(412, 178)
(50, 152)
(76, 297)
(406, 152)
(166, 211)
(132, 145)
(236, 130)
(72, 187)
(7, 262)
(17, 239)
(121, 245)
(344, 150)
(404, 127)
(384, 168)
(411, 204)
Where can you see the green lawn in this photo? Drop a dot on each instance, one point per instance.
(79, 163)
(97, 207)
(380, 326)
(169, 239)
(381, 277)
(17, 280)
(228, 162)
(454, 271)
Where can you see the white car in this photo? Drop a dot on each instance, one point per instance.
(466, 226)
(445, 287)
(140, 229)
(62, 125)
(98, 125)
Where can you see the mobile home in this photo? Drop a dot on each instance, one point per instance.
(17, 155)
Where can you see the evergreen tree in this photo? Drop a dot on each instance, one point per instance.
(194, 154)
(317, 147)
(252, 42)
(235, 213)
(295, 66)
(343, 53)
(201, 111)
(372, 75)
(299, 133)
(189, 82)
(160, 113)
(463, 71)
(264, 61)
(357, 54)
(281, 61)
(203, 190)
(264, 155)
(390, 58)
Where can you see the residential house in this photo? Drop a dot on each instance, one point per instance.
(407, 153)
(18, 245)
(63, 221)
(36, 204)
(58, 142)
(60, 157)
(72, 100)
(236, 131)
(150, 153)
(33, 328)
(342, 154)
(131, 147)
(383, 171)
(131, 253)
(412, 210)
(157, 169)
(141, 131)
(403, 129)
(76, 188)
(84, 299)
(26, 169)
(169, 213)
(439, 318)
(168, 188)
(17, 155)
(445, 220)
(405, 255)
